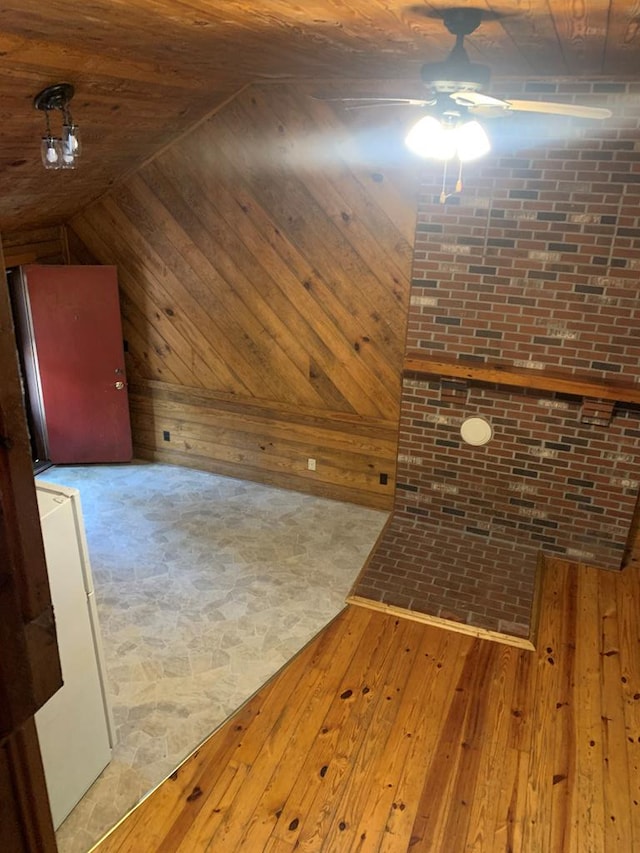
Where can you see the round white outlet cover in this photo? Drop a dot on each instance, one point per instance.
(476, 431)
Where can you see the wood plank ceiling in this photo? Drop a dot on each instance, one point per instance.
(146, 70)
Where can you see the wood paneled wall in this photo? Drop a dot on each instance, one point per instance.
(35, 246)
(29, 663)
(264, 262)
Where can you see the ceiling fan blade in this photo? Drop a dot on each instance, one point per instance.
(552, 108)
(356, 103)
(477, 99)
(489, 107)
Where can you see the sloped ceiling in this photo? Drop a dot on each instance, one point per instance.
(145, 71)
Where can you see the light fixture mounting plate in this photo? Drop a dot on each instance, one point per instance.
(462, 21)
(54, 97)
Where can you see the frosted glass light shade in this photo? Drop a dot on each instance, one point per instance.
(472, 141)
(428, 138)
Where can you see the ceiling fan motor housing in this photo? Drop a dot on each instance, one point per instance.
(448, 76)
(457, 73)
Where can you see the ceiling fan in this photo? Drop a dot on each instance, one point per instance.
(455, 85)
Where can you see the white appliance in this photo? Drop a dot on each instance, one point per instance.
(75, 726)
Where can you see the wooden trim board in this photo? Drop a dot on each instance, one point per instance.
(439, 622)
(521, 377)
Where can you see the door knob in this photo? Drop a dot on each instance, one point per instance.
(119, 385)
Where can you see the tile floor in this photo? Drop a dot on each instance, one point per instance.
(205, 587)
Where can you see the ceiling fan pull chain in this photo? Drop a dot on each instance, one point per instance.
(443, 194)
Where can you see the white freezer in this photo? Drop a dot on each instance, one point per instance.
(75, 726)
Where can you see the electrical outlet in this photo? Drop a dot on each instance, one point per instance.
(384, 479)
(311, 464)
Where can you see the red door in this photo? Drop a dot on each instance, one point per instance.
(77, 335)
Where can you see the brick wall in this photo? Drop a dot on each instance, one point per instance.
(535, 264)
(545, 480)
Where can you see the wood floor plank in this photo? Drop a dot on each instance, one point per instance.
(367, 797)
(392, 813)
(590, 817)
(450, 784)
(330, 815)
(616, 780)
(496, 774)
(347, 720)
(537, 810)
(525, 685)
(510, 813)
(563, 732)
(627, 599)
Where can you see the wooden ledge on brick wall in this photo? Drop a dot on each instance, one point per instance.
(544, 379)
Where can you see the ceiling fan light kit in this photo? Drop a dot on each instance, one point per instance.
(58, 152)
(455, 101)
(444, 140)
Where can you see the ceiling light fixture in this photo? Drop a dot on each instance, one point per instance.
(58, 152)
(447, 137)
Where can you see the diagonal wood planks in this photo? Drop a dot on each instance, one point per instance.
(269, 279)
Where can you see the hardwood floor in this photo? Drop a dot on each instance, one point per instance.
(386, 734)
